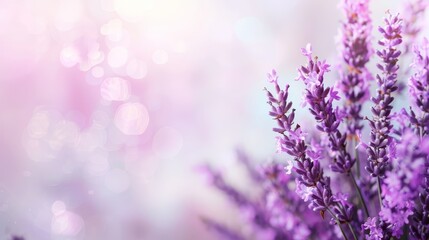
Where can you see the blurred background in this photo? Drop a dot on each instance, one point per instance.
(108, 107)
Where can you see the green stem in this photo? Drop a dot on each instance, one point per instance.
(360, 195)
(357, 158)
(406, 233)
(379, 192)
(422, 128)
(338, 223)
(353, 232)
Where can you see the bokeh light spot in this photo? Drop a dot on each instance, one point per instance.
(117, 57)
(64, 132)
(97, 72)
(69, 56)
(136, 69)
(66, 224)
(113, 30)
(38, 125)
(58, 208)
(38, 150)
(91, 139)
(132, 118)
(115, 89)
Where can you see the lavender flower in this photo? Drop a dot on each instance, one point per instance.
(294, 192)
(320, 99)
(253, 211)
(413, 14)
(419, 88)
(368, 187)
(284, 209)
(244, 159)
(278, 183)
(292, 141)
(420, 220)
(355, 49)
(376, 229)
(401, 185)
(287, 217)
(17, 238)
(378, 161)
(221, 230)
(375, 232)
(217, 180)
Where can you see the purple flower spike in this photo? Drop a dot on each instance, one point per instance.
(413, 15)
(419, 87)
(380, 123)
(401, 185)
(312, 184)
(355, 50)
(377, 229)
(217, 180)
(221, 230)
(18, 238)
(320, 99)
(397, 151)
(420, 219)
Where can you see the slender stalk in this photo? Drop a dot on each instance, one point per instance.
(421, 128)
(356, 157)
(420, 131)
(353, 232)
(379, 192)
(338, 223)
(283, 197)
(357, 164)
(406, 233)
(360, 195)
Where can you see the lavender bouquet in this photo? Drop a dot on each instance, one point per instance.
(354, 175)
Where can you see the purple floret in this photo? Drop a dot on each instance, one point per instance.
(378, 161)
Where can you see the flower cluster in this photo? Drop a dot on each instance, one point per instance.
(355, 50)
(292, 140)
(380, 123)
(320, 100)
(395, 161)
(420, 218)
(413, 16)
(281, 212)
(419, 88)
(302, 198)
(401, 185)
